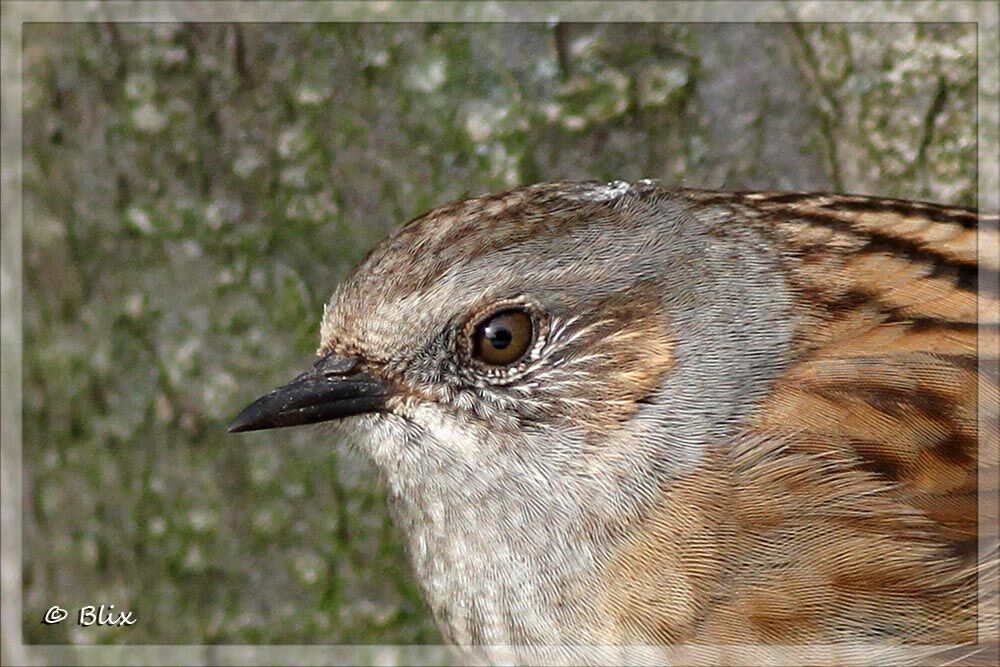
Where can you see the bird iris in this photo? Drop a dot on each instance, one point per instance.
(503, 338)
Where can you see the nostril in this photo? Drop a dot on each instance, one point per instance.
(334, 364)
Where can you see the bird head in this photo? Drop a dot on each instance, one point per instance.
(593, 334)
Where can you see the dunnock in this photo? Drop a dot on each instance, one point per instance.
(619, 415)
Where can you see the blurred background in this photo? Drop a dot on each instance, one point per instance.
(194, 192)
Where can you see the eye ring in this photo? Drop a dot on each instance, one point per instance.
(503, 337)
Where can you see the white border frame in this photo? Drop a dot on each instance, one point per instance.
(18, 12)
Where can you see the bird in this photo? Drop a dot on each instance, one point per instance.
(617, 421)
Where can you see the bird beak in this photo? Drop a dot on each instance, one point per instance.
(333, 388)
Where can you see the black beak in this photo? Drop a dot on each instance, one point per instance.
(332, 389)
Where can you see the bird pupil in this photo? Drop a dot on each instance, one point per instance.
(499, 337)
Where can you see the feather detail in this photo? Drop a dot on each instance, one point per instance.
(851, 504)
(885, 363)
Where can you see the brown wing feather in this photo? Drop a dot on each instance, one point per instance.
(850, 508)
(891, 324)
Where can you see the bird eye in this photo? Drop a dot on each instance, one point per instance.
(503, 338)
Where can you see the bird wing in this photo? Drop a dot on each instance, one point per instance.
(896, 343)
(849, 506)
